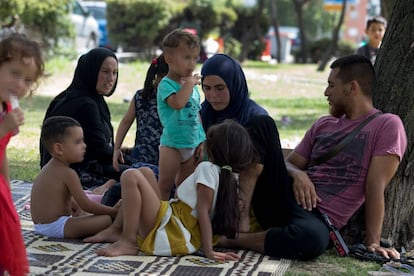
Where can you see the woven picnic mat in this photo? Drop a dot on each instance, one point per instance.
(73, 257)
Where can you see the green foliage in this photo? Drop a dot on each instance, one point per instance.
(346, 48)
(250, 28)
(135, 24)
(317, 22)
(9, 8)
(46, 21)
(207, 18)
(201, 13)
(319, 47)
(232, 47)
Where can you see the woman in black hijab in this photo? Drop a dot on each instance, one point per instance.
(95, 77)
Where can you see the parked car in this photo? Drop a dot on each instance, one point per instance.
(86, 27)
(98, 11)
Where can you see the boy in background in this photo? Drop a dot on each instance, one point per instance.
(375, 31)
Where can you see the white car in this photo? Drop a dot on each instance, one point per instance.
(86, 27)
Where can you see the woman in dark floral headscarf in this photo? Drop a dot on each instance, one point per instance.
(267, 187)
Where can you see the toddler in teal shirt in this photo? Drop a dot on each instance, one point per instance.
(178, 103)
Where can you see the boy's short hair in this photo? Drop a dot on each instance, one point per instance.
(54, 130)
(376, 19)
(174, 38)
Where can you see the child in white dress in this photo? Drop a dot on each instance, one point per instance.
(207, 203)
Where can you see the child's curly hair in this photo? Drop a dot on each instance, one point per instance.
(19, 46)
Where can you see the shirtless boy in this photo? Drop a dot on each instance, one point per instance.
(57, 194)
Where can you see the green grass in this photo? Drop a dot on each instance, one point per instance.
(295, 91)
(330, 264)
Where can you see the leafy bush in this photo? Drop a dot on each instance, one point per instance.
(318, 48)
(46, 21)
(232, 47)
(135, 23)
(10, 8)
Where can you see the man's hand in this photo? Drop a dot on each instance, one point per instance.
(304, 190)
(390, 253)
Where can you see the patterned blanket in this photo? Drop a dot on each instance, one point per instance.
(73, 257)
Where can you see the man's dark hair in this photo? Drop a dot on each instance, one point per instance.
(356, 67)
(54, 129)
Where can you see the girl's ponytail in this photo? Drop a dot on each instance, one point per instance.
(158, 67)
(230, 147)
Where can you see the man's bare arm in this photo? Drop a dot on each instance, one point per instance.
(303, 188)
(381, 171)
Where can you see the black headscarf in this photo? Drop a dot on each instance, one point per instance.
(82, 102)
(87, 70)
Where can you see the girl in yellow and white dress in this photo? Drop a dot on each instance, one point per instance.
(206, 203)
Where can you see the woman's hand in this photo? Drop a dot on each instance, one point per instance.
(304, 191)
(117, 158)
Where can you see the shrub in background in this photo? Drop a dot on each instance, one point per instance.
(46, 21)
(318, 47)
(134, 24)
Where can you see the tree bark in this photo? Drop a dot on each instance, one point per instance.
(394, 93)
(386, 8)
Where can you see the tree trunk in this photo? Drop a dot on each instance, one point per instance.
(386, 8)
(334, 43)
(298, 4)
(252, 33)
(394, 93)
(275, 25)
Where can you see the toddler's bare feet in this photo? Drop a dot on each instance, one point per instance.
(120, 247)
(110, 234)
(104, 187)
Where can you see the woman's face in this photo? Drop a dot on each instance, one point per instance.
(107, 76)
(216, 92)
